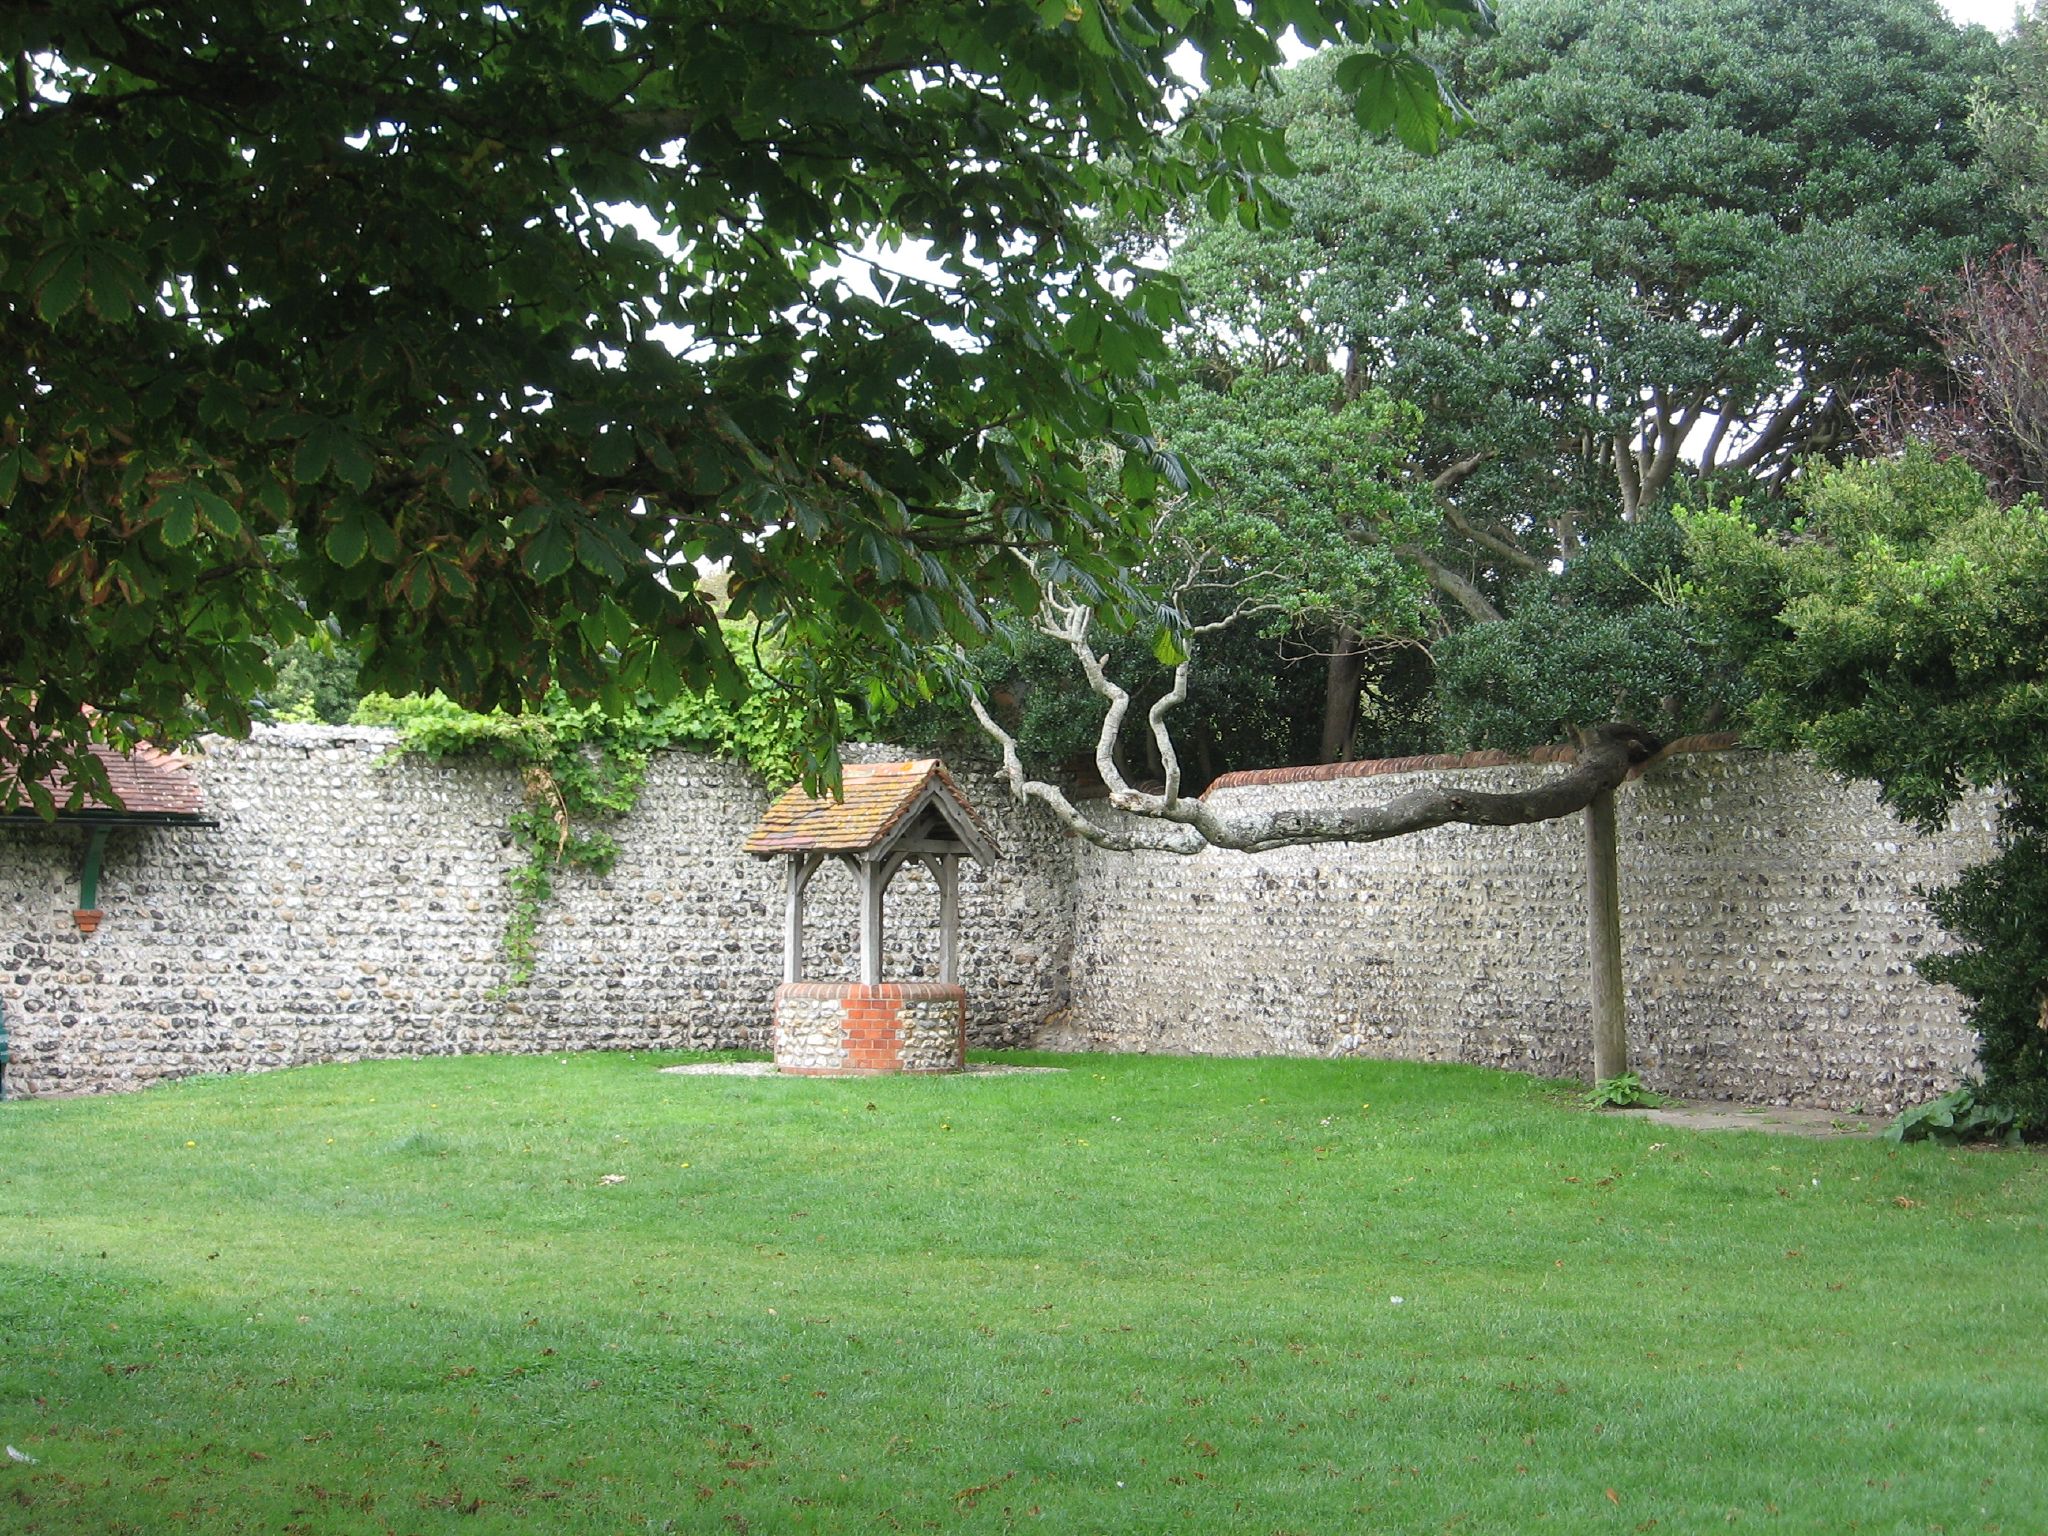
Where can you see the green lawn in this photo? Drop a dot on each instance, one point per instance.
(1144, 1295)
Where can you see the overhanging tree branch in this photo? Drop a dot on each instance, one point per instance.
(1164, 822)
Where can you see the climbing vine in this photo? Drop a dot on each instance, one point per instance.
(581, 766)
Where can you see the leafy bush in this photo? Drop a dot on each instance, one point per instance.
(316, 682)
(1897, 633)
(1999, 912)
(1955, 1119)
(1623, 1092)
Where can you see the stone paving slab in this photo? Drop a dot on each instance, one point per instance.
(1720, 1115)
(767, 1069)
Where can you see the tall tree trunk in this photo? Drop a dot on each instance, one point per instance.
(1603, 927)
(1340, 695)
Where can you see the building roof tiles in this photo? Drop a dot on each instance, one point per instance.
(146, 781)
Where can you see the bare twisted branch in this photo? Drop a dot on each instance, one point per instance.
(1168, 823)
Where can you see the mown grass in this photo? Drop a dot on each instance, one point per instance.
(1144, 1295)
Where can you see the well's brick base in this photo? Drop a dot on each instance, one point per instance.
(850, 1029)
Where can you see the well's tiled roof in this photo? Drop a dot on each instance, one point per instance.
(145, 782)
(876, 799)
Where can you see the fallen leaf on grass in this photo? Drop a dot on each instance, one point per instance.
(967, 1498)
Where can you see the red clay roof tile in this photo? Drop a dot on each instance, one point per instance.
(150, 781)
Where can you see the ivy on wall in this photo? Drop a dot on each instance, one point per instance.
(581, 767)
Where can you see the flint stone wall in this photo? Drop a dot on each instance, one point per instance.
(930, 1034)
(1768, 916)
(348, 907)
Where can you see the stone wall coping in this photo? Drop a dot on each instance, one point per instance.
(1439, 762)
(885, 991)
(268, 734)
(316, 734)
(381, 736)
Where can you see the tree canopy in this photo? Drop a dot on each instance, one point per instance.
(1607, 638)
(1683, 233)
(466, 325)
(1678, 242)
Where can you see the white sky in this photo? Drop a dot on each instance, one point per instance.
(1995, 14)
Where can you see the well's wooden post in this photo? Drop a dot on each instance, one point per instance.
(793, 923)
(1603, 927)
(949, 917)
(873, 881)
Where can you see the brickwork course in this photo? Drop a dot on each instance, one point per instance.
(825, 1028)
(350, 906)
